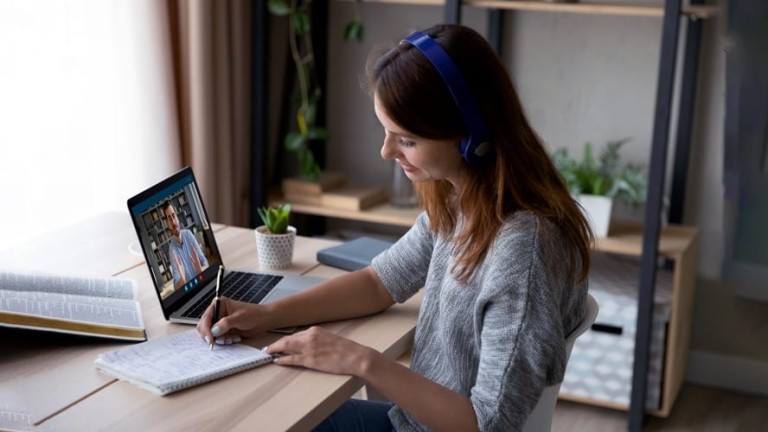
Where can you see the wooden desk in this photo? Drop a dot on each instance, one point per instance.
(48, 381)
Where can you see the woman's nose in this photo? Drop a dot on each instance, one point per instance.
(388, 149)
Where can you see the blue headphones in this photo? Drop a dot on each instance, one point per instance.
(475, 148)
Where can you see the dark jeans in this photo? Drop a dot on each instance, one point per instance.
(357, 415)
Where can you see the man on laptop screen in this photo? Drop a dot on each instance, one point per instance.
(186, 257)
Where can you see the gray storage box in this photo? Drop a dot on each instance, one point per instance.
(600, 366)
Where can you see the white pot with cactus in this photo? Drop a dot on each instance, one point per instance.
(275, 239)
(596, 183)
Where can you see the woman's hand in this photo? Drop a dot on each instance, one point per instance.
(236, 320)
(319, 349)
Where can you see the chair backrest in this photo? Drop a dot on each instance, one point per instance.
(540, 419)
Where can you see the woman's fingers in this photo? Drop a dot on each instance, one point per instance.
(204, 325)
(210, 330)
(319, 349)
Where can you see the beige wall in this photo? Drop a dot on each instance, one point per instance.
(581, 78)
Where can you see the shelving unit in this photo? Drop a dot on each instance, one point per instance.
(676, 243)
(671, 13)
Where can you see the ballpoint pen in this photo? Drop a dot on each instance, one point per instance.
(216, 302)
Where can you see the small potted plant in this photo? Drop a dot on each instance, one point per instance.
(595, 183)
(275, 239)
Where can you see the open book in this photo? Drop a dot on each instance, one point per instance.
(178, 361)
(95, 306)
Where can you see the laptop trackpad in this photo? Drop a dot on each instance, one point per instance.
(279, 293)
(290, 285)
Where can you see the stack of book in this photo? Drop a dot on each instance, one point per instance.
(332, 190)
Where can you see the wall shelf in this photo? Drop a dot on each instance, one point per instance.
(382, 214)
(698, 11)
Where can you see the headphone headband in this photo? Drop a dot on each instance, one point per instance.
(475, 147)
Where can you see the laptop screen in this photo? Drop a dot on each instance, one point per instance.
(176, 237)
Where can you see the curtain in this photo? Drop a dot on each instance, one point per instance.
(211, 44)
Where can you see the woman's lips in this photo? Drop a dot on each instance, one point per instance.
(407, 168)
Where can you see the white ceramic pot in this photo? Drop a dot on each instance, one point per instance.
(598, 210)
(275, 251)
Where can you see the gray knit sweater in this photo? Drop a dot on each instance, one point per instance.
(500, 339)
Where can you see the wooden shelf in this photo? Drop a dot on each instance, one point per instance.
(382, 213)
(699, 11)
(626, 238)
(628, 9)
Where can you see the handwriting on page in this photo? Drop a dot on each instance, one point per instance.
(179, 357)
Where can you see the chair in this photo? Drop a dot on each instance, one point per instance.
(540, 419)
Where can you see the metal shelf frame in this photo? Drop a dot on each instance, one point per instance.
(673, 13)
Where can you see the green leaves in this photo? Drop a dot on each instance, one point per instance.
(275, 218)
(353, 32)
(602, 176)
(308, 166)
(309, 93)
(278, 7)
(295, 141)
(301, 23)
(298, 142)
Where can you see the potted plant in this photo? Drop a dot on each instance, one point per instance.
(275, 239)
(595, 183)
(309, 93)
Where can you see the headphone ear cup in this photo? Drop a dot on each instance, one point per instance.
(474, 153)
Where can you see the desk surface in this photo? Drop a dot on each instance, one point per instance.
(49, 381)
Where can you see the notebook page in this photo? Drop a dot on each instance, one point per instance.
(178, 361)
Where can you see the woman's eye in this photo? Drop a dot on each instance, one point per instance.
(406, 143)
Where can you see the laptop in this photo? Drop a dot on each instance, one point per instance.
(184, 273)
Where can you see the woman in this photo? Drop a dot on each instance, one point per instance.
(501, 250)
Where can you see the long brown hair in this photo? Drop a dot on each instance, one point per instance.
(521, 176)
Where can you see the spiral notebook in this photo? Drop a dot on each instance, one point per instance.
(178, 361)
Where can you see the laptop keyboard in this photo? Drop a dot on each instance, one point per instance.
(242, 286)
